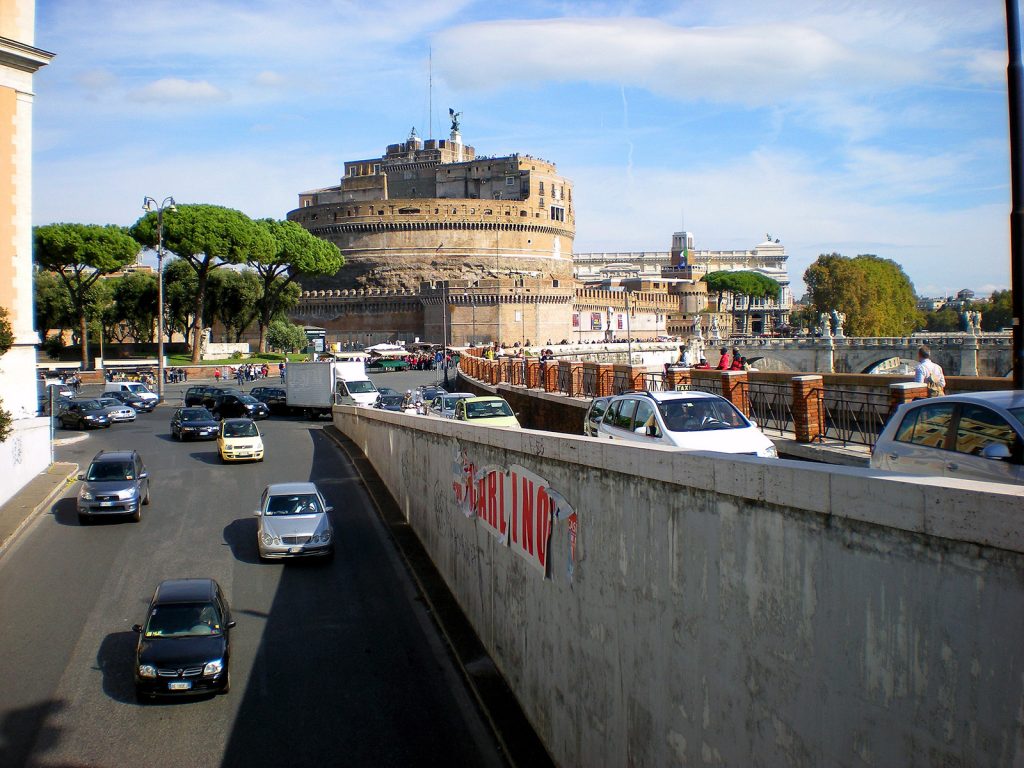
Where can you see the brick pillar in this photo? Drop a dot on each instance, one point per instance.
(636, 377)
(808, 410)
(533, 374)
(677, 378)
(495, 371)
(734, 389)
(504, 372)
(905, 392)
(550, 375)
(624, 376)
(605, 377)
(564, 376)
(575, 380)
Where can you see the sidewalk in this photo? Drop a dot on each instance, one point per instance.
(32, 500)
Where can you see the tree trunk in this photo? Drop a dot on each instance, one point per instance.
(197, 332)
(263, 337)
(83, 334)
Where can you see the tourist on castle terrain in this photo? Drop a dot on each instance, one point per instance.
(737, 361)
(725, 361)
(929, 373)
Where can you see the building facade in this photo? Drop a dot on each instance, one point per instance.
(27, 451)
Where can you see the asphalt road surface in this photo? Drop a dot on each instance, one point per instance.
(333, 663)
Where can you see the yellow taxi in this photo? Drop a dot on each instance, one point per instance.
(487, 412)
(239, 440)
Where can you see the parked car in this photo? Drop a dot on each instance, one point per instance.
(978, 436)
(201, 395)
(691, 420)
(294, 522)
(594, 414)
(387, 391)
(84, 414)
(443, 405)
(390, 403)
(140, 404)
(184, 646)
(237, 404)
(194, 424)
(239, 440)
(116, 483)
(116, 410)
(138, 389)
(275, 398)
(428, 393)
(59, 405)
(486, 411)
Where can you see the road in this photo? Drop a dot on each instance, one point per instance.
(333, 663)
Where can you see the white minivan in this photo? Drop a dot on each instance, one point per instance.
(698, 421)
(136, 388)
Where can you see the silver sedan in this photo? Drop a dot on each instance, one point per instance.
(294, 521)
(116, 410)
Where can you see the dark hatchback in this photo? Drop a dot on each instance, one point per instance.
(275, 398)
(184, 647)
(84, 414)
(194, 424)
(201, 394)
(234, 405)
(140, 404)
(390, 403)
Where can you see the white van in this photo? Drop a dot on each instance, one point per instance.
(352, 386)
(137, 389)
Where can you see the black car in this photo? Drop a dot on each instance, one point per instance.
(430, 392)
(201, 394)
(84, 414)
(194, 424)
(390, 403)
(231, 405)
(185, 645)
(275, 398)
(140, 404)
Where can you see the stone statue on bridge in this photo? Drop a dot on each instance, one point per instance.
(838, 320)
(824, 327)
(715, 331)
(696, 329)
(971, 322)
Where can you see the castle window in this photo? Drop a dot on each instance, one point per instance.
(557, 213)
(306, 203)
(510, 181)
(540, 189)
(376, 168)
(522, 213)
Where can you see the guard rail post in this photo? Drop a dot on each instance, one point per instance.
(734, 389)
(808, 410)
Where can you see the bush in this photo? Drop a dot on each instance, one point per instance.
(237, 355)
(52, 345)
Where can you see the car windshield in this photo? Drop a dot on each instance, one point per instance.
(103, 471)
(110, 402)
(184, 620)
(1018, 414)
(392, 400)
(360, 387)
(240, 429)
(293, 504)
(196, 414)
(700, 415)
(137, 388)
(89, 405)
(248, 399)
(488, 409)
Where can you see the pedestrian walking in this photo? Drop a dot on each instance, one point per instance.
(725, 361)
(929, 372)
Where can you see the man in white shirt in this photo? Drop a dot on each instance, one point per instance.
(929, 373)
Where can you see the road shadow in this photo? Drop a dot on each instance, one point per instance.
(65, 511)
(207, 457)
(115, 659)
(26, 730)
(240, 535)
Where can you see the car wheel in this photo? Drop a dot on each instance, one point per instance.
(107, 425)
(137, 516)
(227, 684)
(146, 500)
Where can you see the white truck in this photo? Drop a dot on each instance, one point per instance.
(313, 388)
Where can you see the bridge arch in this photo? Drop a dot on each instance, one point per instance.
(769, 363)
(891, 364)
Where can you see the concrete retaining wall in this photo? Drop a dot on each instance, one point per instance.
(732, 611)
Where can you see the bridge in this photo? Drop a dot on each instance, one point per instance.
(988, 354)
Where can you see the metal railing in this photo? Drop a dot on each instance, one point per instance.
(853, 417)
(589, 382)
(770, 404)
(653, 382)
(711, 384)
(621, 383)
(517, 373)
(564, 379)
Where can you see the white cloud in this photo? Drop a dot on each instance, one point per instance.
(269, 79)
(97, 79)
(176, 89)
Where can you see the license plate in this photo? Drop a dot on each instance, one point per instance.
(181, 685)
(107, 503)
(295, 550)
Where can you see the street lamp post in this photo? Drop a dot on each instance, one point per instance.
(150, 204)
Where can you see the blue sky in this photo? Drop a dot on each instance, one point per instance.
(857, 127)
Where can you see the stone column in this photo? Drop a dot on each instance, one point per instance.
(734, 389)
(969, 356)
(905, 392)
(808, 409)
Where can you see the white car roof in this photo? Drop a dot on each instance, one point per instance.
(286, 489)
(690, 394)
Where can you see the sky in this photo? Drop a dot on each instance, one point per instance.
(849, 127)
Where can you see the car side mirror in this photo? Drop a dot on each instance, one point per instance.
(258, 513)
(230, 625)
(996, 452)
(137, 629)
(328, 508)
(143, 475)
(81, 475)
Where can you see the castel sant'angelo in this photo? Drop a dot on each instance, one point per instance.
(440, 243)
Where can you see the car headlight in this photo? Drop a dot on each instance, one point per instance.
(771, 452)
(267, 539)
(147, 670)
(86, 495)
(214, 667)
(325, 536)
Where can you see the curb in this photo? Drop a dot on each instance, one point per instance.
(516, 736)
(61, 441)
(56, 491)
